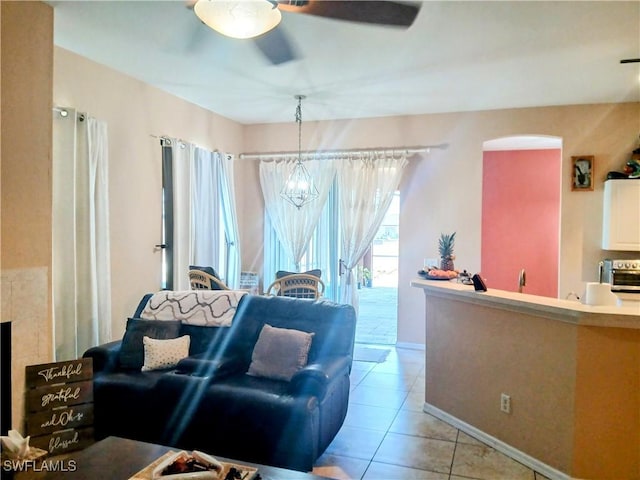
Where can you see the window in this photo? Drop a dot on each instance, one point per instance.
(167, 216)
(199, 225)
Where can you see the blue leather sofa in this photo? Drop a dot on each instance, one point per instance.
(209, 402)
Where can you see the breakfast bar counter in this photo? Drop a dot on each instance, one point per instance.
(571, 311)
(570, 374)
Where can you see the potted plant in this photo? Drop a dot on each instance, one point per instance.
(364, 277)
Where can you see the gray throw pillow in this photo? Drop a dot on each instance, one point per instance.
(132, 351)
(279, 353)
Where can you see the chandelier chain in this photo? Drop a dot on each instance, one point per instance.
(299, 122)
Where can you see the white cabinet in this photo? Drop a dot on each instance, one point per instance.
(621, 216)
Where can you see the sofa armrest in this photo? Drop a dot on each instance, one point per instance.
(217, 367)
(105, 356)
(315, 378)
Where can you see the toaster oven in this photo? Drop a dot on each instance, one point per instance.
(623, 275)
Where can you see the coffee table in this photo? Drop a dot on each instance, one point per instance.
(116, 458)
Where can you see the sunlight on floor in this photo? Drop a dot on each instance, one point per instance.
(377, 316)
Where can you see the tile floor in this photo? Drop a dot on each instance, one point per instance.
(387, 436)
(377, 315)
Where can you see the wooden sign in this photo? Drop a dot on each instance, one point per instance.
(60, 405)
(60, 396)
(60, 419)
(64, 441)
(48, 374)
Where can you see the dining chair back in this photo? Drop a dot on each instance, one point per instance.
(297, 285)
(201, 280)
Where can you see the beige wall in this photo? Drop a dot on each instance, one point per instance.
(27, 65)
(441, 191)
(27, 58)
(134, 111)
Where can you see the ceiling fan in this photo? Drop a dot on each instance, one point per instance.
(258, 19)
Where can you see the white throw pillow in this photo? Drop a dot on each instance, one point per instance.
(163, 354)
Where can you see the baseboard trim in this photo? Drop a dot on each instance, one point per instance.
(410, 345)
(499, 445)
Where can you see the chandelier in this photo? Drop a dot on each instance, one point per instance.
(299, 188)
(239, 18)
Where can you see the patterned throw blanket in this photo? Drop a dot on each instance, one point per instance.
(211, 308)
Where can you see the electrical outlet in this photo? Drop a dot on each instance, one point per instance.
(505, 403)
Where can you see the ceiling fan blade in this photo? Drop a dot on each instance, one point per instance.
(362, 11)
(630, 60)
(192, 39)
(275, 46)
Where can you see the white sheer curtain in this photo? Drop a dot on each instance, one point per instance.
(182, 168)
(367, 182)
(205, 218)
(294, 226)
(81, 249)
(229, 219)
(205, 230)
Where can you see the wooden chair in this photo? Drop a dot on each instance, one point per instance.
(297, 285)
(204, 281)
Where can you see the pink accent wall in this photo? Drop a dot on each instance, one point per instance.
(521, 219)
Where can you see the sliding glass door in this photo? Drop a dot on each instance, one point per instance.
(323, 251)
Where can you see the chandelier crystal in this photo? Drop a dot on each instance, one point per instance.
(299, 188)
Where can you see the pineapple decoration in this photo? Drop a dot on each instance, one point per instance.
(445, 247)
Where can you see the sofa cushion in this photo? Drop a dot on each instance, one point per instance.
(126, 405)
(333, 324)
(279, 353)
(164, 354)
(131, 354)
(204, 339)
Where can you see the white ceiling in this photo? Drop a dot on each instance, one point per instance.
(457, 56)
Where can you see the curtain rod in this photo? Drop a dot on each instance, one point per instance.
(183, 143)
(333, 153)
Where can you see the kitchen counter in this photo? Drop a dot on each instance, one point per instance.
(571, 372)
(572, 311)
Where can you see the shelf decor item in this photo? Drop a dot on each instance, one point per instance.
(445, 248)
(582, 173)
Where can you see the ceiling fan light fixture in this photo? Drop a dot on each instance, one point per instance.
(239, 18)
